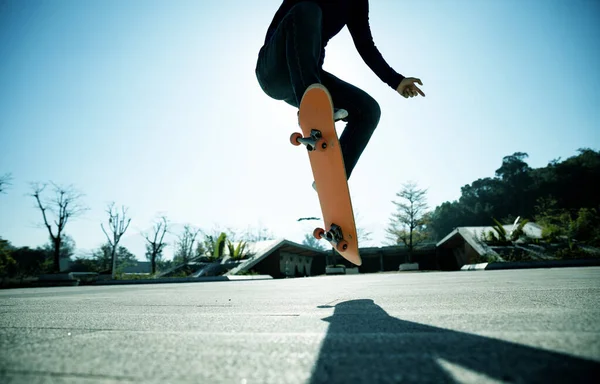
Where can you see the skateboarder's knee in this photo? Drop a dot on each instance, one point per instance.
(369, 112)
(375, 112)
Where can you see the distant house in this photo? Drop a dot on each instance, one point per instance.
(284, 258)
(389, 258)
(278, 258)
(464, 245)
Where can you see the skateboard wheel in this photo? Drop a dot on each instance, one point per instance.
(294, 138)
(318, 233)
(341, 246)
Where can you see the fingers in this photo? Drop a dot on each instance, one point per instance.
(413, 90)
(410, 89)
(418, 90)
(414, 80)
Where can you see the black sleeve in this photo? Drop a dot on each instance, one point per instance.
(358, 25)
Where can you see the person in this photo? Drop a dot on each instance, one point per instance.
(292, 57)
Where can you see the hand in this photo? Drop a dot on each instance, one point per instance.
(407, 87)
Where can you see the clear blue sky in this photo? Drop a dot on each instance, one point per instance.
(154, 105)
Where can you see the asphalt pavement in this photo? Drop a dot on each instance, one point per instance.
(507, 326)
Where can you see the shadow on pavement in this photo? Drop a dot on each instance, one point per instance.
(364, 344)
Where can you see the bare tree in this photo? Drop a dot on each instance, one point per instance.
(64, 205)
(408, 217)
(185, 244)
(363, 234)
(258, 233)
(155, 243)
(117, 224)
(5, 180)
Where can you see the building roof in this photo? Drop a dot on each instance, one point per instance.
(262, 249)
(472, 235)
(469, 235)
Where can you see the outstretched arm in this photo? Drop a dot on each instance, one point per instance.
(360, 30)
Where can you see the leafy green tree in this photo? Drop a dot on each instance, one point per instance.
(86, 264)
(408, 218)
(425, 230)
(514, 176)
(31, 261)
(125, 258)
(215, 245)
(101, 260)
(446, 217)
(163, 265)
(311, 241)
(576, 181)
(67, 247)
(239, 251)
(586, 226)
(559, 224)
(7, 263)
(481, 200)
(517, 190)
(104, 258)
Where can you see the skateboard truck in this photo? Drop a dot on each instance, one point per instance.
(312, 142)
(334, 236)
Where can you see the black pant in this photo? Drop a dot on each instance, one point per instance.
(289, 63)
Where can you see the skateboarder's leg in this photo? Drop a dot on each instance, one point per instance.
(289, 62)
(363, 117)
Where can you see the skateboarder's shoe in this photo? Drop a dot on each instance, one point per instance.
(340, 114)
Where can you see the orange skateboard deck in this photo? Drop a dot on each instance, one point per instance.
(320, 138)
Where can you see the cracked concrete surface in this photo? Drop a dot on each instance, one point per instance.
(538, 325)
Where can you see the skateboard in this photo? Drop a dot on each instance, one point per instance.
(319, 136)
